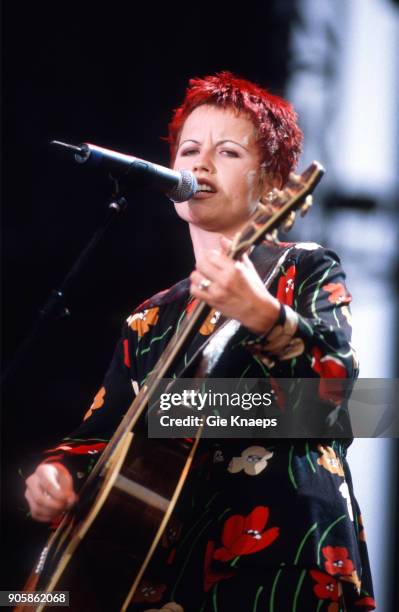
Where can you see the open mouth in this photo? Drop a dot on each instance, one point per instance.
(205, 187)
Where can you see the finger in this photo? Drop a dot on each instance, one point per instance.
(246, 271)
(172, 606)
(56, 481)
(63, 476)
(59, 505)
(225, 244)
(219, 259)
(37, 512)
(47, 503)
(204, 295)
(43, 518)
(247, 262)
(215, 266)
(199, 280)
(201, 294)
(216, 259)
(44, 501)
(208, 269)
(47, 475)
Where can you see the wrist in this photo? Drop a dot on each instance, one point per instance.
(280, 342)
(268, 313)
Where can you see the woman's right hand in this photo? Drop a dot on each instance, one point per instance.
(49, 491)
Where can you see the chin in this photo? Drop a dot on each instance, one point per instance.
(183, 211)
(191, 212)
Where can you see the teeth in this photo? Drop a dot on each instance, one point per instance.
(204, 187)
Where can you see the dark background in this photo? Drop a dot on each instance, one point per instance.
(109, 75)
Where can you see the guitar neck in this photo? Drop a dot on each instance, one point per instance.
(168, 359)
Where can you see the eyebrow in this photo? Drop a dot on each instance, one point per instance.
(217, 144)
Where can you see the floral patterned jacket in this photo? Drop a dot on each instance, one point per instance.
(305, 485)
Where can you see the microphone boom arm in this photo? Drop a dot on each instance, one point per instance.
(179, 186)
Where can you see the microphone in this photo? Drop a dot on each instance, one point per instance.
(179, 186)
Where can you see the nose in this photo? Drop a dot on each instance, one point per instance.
(203, 162)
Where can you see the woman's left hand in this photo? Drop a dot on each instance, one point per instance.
(235, 289)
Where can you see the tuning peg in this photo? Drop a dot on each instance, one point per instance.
(272, 236)
(294, 178)
(269, 197)
(289, 222)
(278, 197)
(306, 205)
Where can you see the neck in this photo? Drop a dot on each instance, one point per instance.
(203, 241)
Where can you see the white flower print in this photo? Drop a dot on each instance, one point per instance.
(253, 461)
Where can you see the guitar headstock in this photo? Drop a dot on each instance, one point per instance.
(280, 210)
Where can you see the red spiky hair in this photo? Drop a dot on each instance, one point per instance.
(279, 136)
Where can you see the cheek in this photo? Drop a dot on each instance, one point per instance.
(252, 181)
(180, 163)
(247, 188)
(183, 163)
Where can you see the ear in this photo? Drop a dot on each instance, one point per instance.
(278, 181)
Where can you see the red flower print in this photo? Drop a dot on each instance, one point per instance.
(210, 576)
(338, 293)
(191, 305)
(285, 288)
(326, 587)
(329, 367)
(337, 560)
(55, 523)
(126, 356)
(243, 535)
(82, 449)
(366, 601)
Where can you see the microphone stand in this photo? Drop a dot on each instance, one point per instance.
(55, 307)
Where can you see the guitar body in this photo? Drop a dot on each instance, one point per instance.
(101, 549)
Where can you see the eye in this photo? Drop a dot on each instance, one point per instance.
(186, 152)
(229, 153)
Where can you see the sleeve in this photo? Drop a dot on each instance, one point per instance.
(80, 450)
(312, 335)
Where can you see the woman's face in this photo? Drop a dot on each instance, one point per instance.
(220, 148)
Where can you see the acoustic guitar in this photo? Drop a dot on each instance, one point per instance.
(103, 545)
